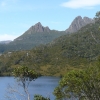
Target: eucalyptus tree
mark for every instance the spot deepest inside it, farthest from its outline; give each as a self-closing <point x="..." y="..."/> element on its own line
<point x="25" y="76"/>
<point x="81" y="84"/>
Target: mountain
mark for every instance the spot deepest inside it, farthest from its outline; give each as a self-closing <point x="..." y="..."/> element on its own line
<point x="78" y="23"/>
<point x="36" y="35"/>
<point x="39" y="35"/>
<point x="38" y="28"/>
<point x="5" y="42"/>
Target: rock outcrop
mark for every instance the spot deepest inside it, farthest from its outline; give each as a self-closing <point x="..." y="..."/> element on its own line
<point x="37" y="28"/>
<point x="78" y="23"/>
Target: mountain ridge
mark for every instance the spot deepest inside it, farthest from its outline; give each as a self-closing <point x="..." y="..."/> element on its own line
<point x="78" y="23"/>
<point x="39" y="35"/>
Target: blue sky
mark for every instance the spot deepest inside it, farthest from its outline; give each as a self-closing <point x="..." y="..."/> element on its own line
<point x="16" y="16"/>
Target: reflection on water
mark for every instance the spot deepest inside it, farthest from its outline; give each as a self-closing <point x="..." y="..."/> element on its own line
<point x="43" y="86"/>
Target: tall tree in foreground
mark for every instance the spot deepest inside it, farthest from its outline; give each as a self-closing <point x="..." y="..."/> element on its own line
<point x="83" y="84"/>
<point x="25" y="76"/>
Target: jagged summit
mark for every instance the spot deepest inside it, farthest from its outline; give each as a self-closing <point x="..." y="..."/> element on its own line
<point x="37" y="28"/>
<point x="78" y="23"/>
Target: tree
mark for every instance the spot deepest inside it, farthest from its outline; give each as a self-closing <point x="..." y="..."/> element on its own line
<point x="82" y="84"/>
<point x="25" y="76"/>
<point x="97" y="14"/>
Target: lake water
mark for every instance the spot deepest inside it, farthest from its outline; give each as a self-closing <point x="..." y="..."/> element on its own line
<point x="43" y="86"/>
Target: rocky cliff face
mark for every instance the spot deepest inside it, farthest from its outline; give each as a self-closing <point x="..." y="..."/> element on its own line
<point x="37" y="28"/>
<point x="78" y="23"/>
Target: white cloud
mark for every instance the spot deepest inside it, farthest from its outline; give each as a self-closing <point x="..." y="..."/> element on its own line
<point x="81" y="4"/>
<point x="7" y="37"/>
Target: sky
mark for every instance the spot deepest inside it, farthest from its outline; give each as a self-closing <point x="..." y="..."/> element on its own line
<point x="17" y="16"/>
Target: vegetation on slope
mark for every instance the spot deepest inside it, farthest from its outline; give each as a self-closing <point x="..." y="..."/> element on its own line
<point x="81" y="84"/>
<point x="71" y="51"/>
<point x="29" y="41"/>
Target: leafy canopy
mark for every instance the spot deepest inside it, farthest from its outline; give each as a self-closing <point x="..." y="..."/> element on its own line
<point x="97" y="14"/>
<point x="25" y="76"/>
<point x="82" y="84"/>
<point x="40" y="97"/>
<point x="23" y="73"/>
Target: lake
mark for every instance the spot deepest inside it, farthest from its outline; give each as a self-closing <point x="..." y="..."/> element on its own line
<point x="43" y="85"/>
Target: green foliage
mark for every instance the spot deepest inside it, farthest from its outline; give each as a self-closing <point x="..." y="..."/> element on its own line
<point x="82" y="84"/>
<point x="40" y="97"/>
<point x="28" y="41"/>
<point x="97" y="15"/>
<point x="24" y="74"/>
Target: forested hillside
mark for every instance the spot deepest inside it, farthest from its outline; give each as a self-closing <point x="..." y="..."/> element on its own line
<point x="75" y="50"/>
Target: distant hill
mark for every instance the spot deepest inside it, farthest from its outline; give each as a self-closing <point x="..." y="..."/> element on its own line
<point x="5" y="42"/>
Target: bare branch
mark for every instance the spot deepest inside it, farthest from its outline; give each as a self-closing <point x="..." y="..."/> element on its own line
<point x="13" y="91"/>
<point x="94" y="38"/>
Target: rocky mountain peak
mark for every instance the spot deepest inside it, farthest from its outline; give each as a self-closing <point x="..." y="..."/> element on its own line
<point x="87" y="20"/>
<point x="78" y="18"/>
<point x="38" y="25"/>
<point x="78" y="23"/>
<point x="38" y="28"/>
